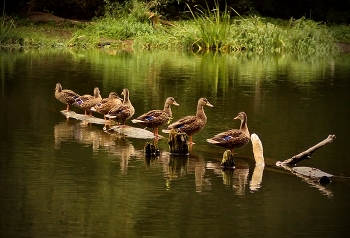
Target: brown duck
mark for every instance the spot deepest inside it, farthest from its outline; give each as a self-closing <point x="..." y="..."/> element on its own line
<point x="65" y="96"/>
<point x="191" y="124"/>
<point x="107" y="104"/>
<point x="87" y="101"/>
<point x="157" y="118"/>
<point x="123" y="111"/>
<point x="234" y="138"/>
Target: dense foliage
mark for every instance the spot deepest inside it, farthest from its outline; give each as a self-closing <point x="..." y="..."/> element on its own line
<point x="317" y="10"/>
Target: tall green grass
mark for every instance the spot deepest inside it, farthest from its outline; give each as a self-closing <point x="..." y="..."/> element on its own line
<point x="218" y="30"/>
<point x="6" y="24"/>
<point x="214" y="28"/>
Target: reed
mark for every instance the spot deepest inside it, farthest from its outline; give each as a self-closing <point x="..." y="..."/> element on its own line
<point x="209" y="30"/>
<point x="6" y="24"/>
<point x="213" y="28"/>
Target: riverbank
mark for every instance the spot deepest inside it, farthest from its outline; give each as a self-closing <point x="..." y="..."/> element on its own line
<point x="200" y="34"/>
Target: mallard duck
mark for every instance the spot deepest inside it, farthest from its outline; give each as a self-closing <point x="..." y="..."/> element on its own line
<point x="191" y="124"/>
<point x="107" y="104"/>
<point x="87" y="101"/>
<point x="123" y="111"/>
<point x="65" y="96"/>
<point x="234" y="138"/>
<point x="156" y="118"/>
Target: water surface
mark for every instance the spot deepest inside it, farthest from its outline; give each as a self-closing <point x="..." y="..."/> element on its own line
<point x="64" y="178"/>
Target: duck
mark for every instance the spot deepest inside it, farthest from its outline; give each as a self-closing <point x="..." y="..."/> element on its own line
<point x="107" y="104"/>
<point x="234" y="138"/>
<point x="157" y="118"/>
<point x="123" y="111"/>
<point x="87" y="101"/>
<point x="65" y="96"/>
<point x="191" y="124"/>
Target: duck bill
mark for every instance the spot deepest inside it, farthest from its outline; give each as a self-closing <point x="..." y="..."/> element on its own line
<point x="176" y="104"/>
<point x="209" y="104"/>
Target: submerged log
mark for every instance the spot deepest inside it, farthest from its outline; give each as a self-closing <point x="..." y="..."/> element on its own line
<point x="307" y="153"/>
<point x="308" y="173"/>
<point x="82" y="117"/>
<point x="178" y="143"/>
<point x="151" y="149"/>
<point x="227" y="161"/>
<point x="127" y="131"/>
<point x="311" y="172"/>
<point x="133" y="132"/>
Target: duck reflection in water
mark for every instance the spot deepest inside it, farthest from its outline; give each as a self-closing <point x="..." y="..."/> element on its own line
<point x="238" y="177"/>
<point x="113" y="143"/>
<point x="177" y="166"/>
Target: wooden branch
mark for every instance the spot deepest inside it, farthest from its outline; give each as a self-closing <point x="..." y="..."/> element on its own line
<point x="307" y="153"/>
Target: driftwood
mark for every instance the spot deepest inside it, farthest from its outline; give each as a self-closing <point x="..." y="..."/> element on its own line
<point x="133" y="132"/>
<point x="82" y="117"/>
<point x="178" y="143"/>
<point x="308" y="173"/>
<point x="307" y="153"/>
<point x="127" y="131"/>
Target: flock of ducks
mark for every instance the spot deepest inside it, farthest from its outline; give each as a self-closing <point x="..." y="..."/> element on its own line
<point x="121" y="110"/>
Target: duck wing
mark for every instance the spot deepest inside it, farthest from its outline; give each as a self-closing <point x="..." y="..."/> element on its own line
<point x="231" y="138"/>
<point x="154" y="116"/>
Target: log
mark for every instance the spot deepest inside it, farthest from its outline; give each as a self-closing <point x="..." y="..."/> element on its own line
<point x="133" y="132"/>
<point x="82" y="117"/>
<point x="307" y="153"/>
<point x="178" y="143"/>
<point x="311" y="172"/>
<point x="151" y="149"/>
<point x="127" y="131"/>
<point x="258" y="152"/>
<point x="227" y="161"/>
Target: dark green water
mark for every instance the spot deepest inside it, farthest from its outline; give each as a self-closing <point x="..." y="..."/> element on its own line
<point x="62" y="178"/>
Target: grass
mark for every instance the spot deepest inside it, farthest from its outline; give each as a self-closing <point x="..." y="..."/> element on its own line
<point x="209" y="30"/>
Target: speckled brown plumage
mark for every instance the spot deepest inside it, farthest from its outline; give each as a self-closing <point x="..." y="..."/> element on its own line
<point x="157" y="118"/>
<point x="191" y="124"/>
<point x="86" y="101"/>
<point x="107" y="104"/>
<point x="234" y="138"/>
<point x="124" y="111"/>
<point x="65" y="96"/>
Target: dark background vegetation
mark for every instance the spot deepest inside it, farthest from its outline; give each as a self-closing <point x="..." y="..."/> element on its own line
<point x="329" y="11"/>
